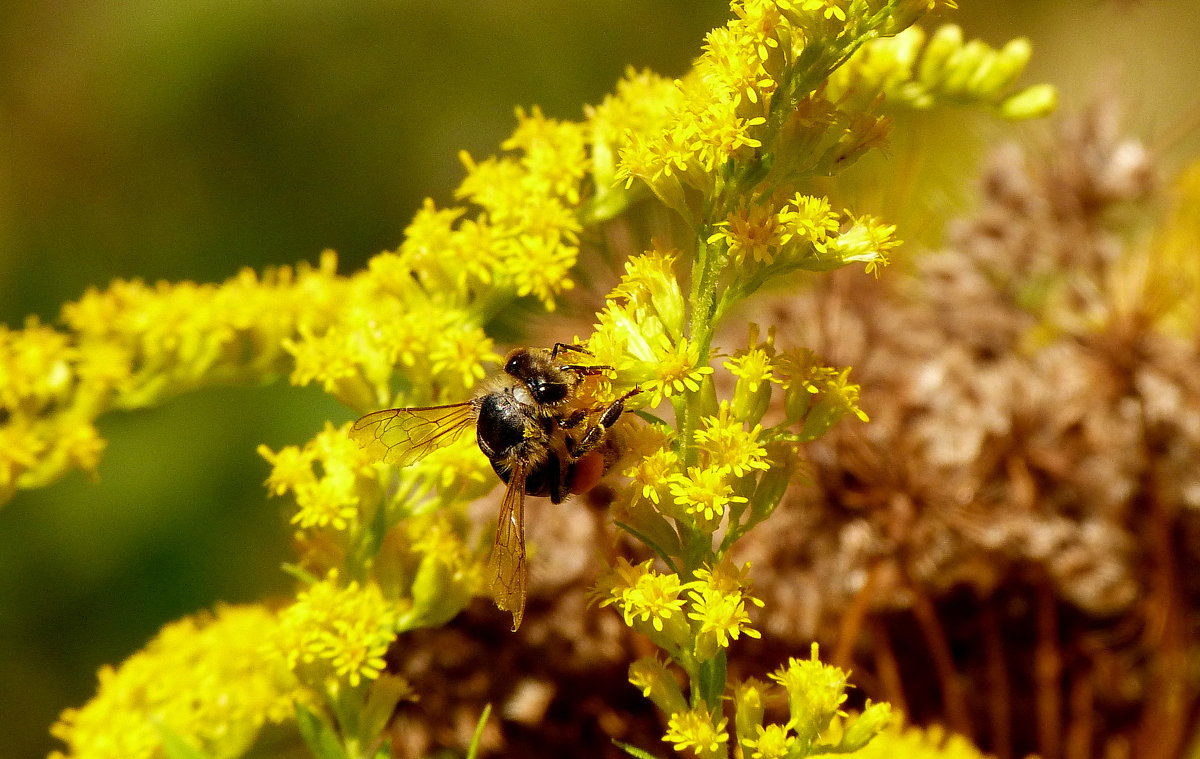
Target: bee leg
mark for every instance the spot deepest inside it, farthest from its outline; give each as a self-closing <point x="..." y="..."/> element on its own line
<point x="562" y="347"/>
<point x="572" y="420"/>
<point x="582" y="369"/>
<point x="608" y="417"/>
<point x="556" y="476"/>
<point x="585" y="369"/>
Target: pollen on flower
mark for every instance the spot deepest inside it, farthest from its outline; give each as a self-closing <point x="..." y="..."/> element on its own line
<point x="335" y="633"/>
<point x="773" y="741"/>
<point x="641" y="594"/>
<point x="808" y="218"/>
<point x="326" y="359"/>
<point x="867" y="241"/>
<point x="752" y="233"/>
<point x="327" y="502"/>
<point x="221" y="693"/>
<point x="460" y="355"/>
<point x="652" y="470"/>
<point x="721" y="614"/>
<point x="727" y="443"/>
<point x="704" y="493"/>
<point x="815" y="690"/>
<point x="679" y="369"/>
<point x="291" y="467"/>
<point x="698" y="730"/>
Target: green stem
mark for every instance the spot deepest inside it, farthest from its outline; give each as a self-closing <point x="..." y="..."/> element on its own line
<point x="711" y="682"/>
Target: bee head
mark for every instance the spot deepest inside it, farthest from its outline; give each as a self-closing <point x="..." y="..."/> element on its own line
<point x="547" y="384"/>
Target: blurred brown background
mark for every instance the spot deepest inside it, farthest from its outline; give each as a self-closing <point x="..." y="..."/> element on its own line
<point x="185" y="140"/>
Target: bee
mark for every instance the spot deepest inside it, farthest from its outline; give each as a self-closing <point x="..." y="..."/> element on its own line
<point x="530" y="426"/>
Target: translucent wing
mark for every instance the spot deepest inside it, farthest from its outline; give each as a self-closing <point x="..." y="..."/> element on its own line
<point x="507" y="564"/>
<point x="403" y="436"/>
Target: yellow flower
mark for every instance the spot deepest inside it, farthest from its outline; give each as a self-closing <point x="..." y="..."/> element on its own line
<point x="327" y="359"/>
<point x="933" y="742"/>
<point x="680" y="368"/>
<point x="326" y="500"/>
<point x="830" y="9"/>
<point x="649" y="281"/>
<point x="655" y="681"/>
<point x="772" y="742"/>
<point x="428" y="236"/>
<point x="448" y="572"/>
<point x="867" y="241"/>
<point x="20" y="450"/>
<point x="555" y="153"/>
<point x="651" y="472"/>
<point x="291" y="468"/>
<point x="806" y="218"/>
<point x="336" y="634"/>
<point x="752" y="233"/>
<point x="643" y="595"/>
<point x="815" y="693"/>
<point x="699" y="730"/>
<point x="705" y="494"/>
<point x="728" y="444"/>
<point x="201" y="678"/>
<point x="530" y="203"/>
<point x="460" y="355"/>
<point x="722" y="617"/>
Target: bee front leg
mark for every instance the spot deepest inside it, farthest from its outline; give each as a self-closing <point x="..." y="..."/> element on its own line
<point x="563" y="347"/>
<point x="581" y="369"/>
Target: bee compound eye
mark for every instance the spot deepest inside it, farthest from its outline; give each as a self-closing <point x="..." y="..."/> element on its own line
<point x="547" y="392"/>
<point x="514" y="366"/>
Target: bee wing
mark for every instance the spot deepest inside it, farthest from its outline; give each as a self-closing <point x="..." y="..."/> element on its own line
<point x="403" y="436"/>
<point x="507" y="564"/>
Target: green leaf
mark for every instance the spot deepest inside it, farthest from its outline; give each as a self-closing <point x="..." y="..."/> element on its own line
<point x="633" y="750"/>
<point x="320" y="737"/>
<point x="712" y="679"/>
<point x="473" y="749"/>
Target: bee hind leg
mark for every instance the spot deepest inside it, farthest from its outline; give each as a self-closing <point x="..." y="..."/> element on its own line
<point x="608" y="417"/>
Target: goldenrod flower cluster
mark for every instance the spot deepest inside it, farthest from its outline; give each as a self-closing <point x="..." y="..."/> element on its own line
<point x="202" y="682"/>
<point x="691" y="620"/>
<point x="787" y="91"/>
<point x="335" y="632"/>
<point x="699" y="730"/>
<point x="934" y="742"/>
<point x="813" y="693"/>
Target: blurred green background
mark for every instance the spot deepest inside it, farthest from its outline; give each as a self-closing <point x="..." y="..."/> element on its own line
<point x="184" y="140"/>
